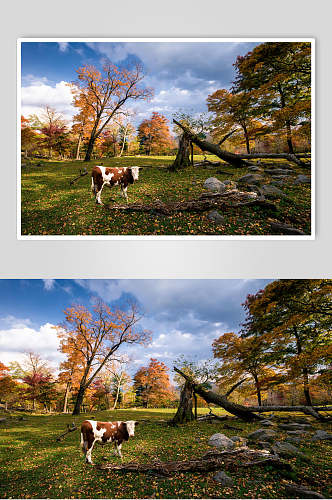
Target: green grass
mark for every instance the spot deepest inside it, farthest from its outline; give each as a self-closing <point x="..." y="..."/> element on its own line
<point x="50" y="206"/>
<point x="35" y="465"/>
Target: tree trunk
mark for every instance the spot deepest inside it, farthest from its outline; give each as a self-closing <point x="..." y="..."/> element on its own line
<point x="78" y="147"/>
<point x="65" y="401"/>
<point x="231" y="158"/>
<point x="289" y="138"/>
<point x="220" y="400"/>
<point x="306" y="387"/>
<point x="116" y="397"/>
<point x="185" y="410"/>
<point x="246" y="138"/>
<point x="182" y="159"/>
<point x="195" y="401"/>
<point x="192" y="153"/>
<point x="258" y="390"/>
<point x="89" y="149"/>
<point x="79" y="400"/>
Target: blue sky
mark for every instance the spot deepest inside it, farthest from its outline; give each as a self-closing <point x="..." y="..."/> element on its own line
<point x="184" y="316"/>
<point x="182" y="74"/>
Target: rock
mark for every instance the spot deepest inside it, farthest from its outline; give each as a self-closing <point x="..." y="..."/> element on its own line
<point x="239" y="440"/>
<point x="278" y="183"/>
<point x="230" y="184"/>
<point x="2" y="420"/>
<point x="285" y="449"/>
<point x="222" y="478"/>
<point x="293" y="439"/>
<point x="254" y="169"/>
<point x="281" y="177"/>
<point x="266" y="423"/>
<point x="301" y="491"/>
<point x="279" y="228"/>
<point x="272" y="191"/>
<point x="301" y="420"/>
<point x="221" y="441"/>
<point x="251" y="179"/>
<point x="262" y="435"/>
<point x="278" y="171"/>
<point x="302" y="179"/>
<point x="216" y="217"/>
<point x="263" y="445"/>
<point x="295" y="427"/>
<point x="295" y="433"/>
<point x="321" y="436"/>
<point x="214" y="184"/>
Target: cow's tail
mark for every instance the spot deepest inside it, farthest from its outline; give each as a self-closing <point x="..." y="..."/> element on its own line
<point x="92" y="185"/>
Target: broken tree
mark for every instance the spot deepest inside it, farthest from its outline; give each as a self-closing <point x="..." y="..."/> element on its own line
<point x="248" y="413"/>
<point x="237" y="160"/>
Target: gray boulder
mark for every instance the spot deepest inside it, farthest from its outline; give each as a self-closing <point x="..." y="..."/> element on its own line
<point x="321" y="436"/>
<point x="302" y="179"/>
<point x="278" y="183"/>
<point x="278" y="171"/>
<point x="254" y="169"/>
<point x="262" y="435"/>
<point x="216" y="217"/>
<point x="295" y="427"/>
<point x="239" y="440"/>
<point x="215" y="185"/>
<point x="272" y="191"/>
<point x="293" y="439"/>
<point x="266" y="423"/>
<point x="222" y="478"/>
<point x="221" y="441"/>
<point x="251" y="179"/>
<point x="301" y="491"/>
<point x="285" y="449"/>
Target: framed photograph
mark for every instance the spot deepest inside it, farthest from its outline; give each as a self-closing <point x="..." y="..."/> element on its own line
<point x="166" y="138"/>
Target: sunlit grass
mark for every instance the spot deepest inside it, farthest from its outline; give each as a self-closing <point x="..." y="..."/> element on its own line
<point x="51" y="206"/>
<point x="35" y="465"/>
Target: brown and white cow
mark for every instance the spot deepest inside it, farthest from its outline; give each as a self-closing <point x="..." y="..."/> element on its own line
<point x="105" y="432"/>
<point x="104" y="176"/>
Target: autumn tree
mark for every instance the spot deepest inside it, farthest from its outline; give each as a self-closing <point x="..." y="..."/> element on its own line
<point x="119" y="378"/>
<point x="154" y="134"/>
<point x="104" y="93"/>
<point x="97" y="335"/>
<point x="52" y="127"/>
<point x="232" y="112"/>
<point x="278" y="76"/>
<point x="294" y="317"/>
<point x="152" y="384"/>
<point x="243" y="357"/>
<point x="8" y="386"/>
<point x="29" y="138"/>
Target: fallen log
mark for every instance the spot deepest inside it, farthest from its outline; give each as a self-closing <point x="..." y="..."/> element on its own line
<point x="203" y="203"/>
<point x="82" y="174"/>
<point x="204" y="145"/>
<point x="71" y="428"/>
<point x="307" y="410"/>
<point x="239" y="411"/>
<point x="293" y="158"/>
<point x="241" y="457"/>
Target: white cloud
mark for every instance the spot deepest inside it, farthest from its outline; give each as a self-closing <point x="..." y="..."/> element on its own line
<point x="49" y="284"/>
<point x="63" y="46"/>
<point x="19" y="339"/>
<point x="37" y="95"/>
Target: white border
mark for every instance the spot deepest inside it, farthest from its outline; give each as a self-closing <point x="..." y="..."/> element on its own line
<point x="170" y="237"/>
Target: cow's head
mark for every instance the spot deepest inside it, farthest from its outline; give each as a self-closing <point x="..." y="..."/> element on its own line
<point x="135" y="172"/>
<point x="130" y="424"/>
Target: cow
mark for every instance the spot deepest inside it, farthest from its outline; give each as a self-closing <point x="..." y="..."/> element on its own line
<point x="104" y="176"/>
<point x="105" y="432"/>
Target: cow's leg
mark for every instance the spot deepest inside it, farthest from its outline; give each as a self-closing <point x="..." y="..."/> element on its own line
<point x="88" y="452"/>
<point x="98" y="194"/>
<point x="124" y="192"/>
<point x="118" y="449"/>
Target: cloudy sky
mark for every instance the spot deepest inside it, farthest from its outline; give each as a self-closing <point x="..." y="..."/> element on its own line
<point x="182" y="74"/>
<point x="184" y="316"/>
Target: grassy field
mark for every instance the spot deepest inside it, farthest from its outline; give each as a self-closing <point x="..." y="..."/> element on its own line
<point x="50" y="206"/>
<point x="35" y="465"/>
